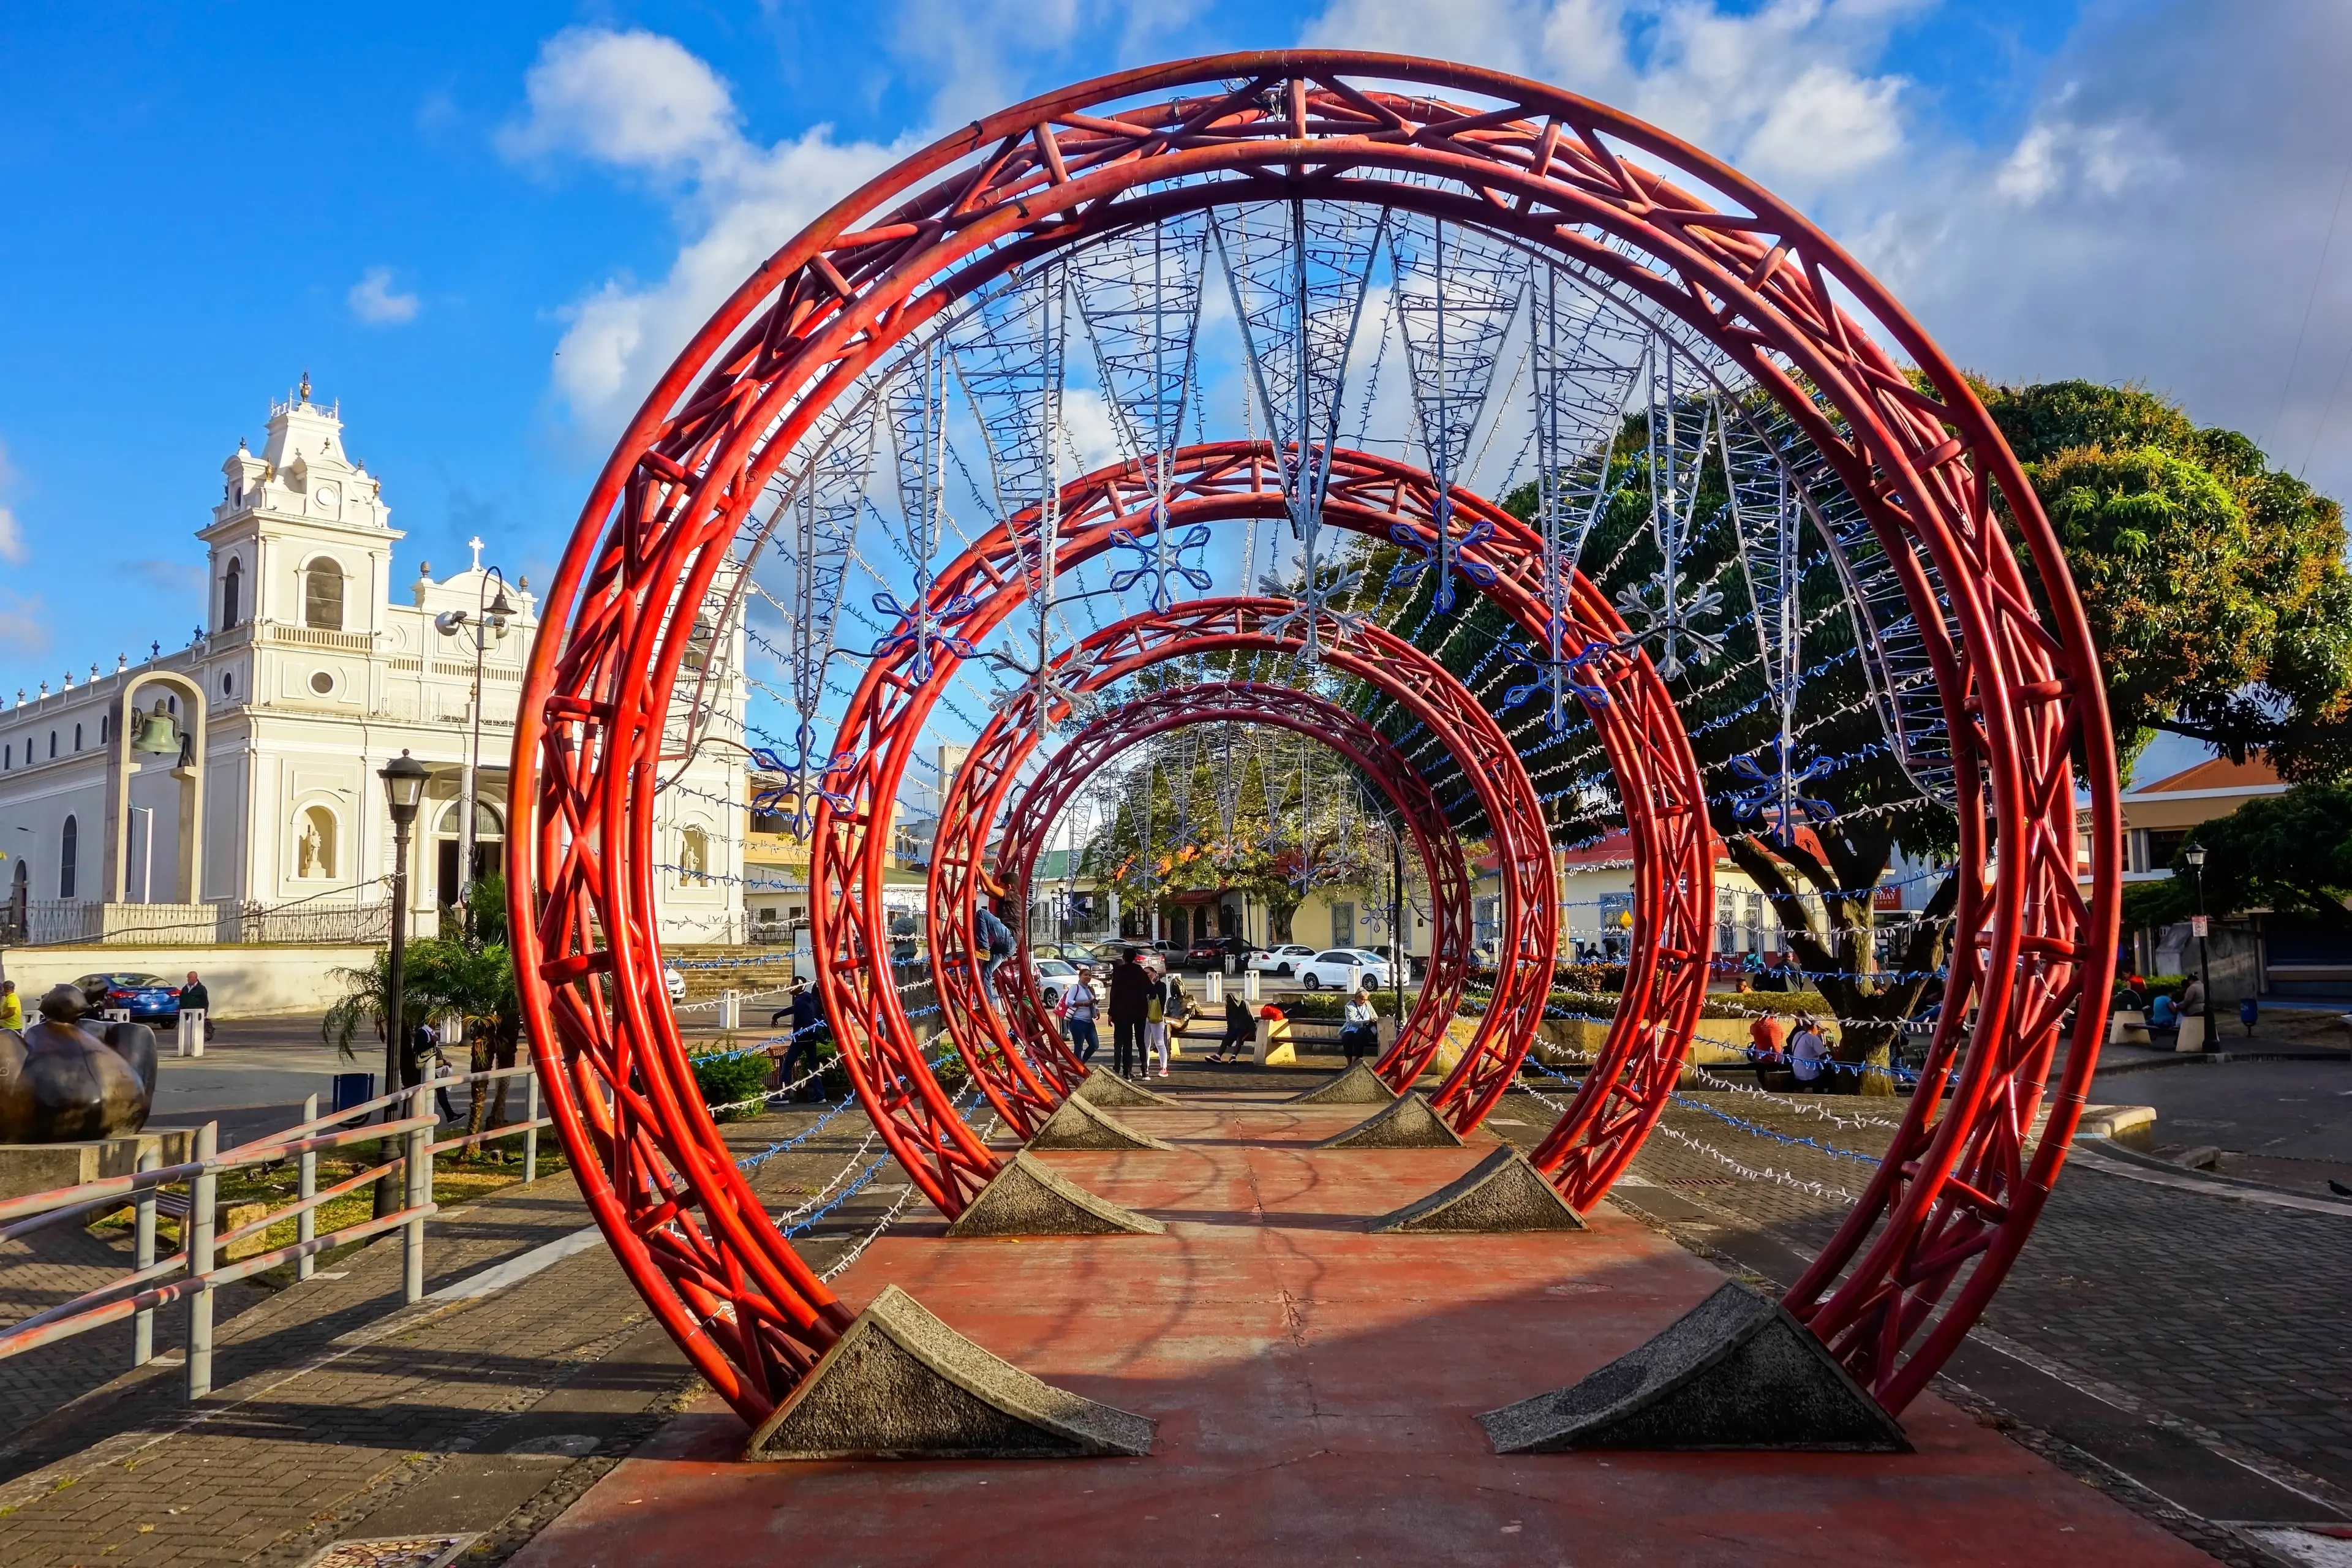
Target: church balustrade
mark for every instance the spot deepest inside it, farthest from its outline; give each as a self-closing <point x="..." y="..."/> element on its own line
<point x="57" y="922"/>
<point x="314" y="636"/>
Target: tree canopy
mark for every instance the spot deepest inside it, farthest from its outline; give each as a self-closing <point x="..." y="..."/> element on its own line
<point x="2215" y="585"/>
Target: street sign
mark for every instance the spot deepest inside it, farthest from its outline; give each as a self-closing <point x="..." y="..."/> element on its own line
<point x="2196" y="925"/>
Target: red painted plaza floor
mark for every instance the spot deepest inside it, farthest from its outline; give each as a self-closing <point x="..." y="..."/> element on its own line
<point x="1314" y="1387"/>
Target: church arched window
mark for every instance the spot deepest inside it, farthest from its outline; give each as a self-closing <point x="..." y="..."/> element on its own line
<point x="232" y="595"/>
<point x="323" y="596"/>
<point x="314" y="844"/>
<point x="68" y="841"/>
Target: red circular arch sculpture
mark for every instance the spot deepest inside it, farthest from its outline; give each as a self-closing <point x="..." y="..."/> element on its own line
<point x="1957" y="1196"/>
<point x="940" y="1153"/>
<point x="984" y="1037"/>
<point x="1380" y="498"/>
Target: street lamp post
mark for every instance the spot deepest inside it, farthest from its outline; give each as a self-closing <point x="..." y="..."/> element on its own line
<point x="404" y="791"/>
<point x="1399" y="956"/>
<point x="489" y="621"/>
<point x="2194" y="857"/>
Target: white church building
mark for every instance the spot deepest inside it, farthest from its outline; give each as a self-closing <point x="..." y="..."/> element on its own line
<point x="228" y="791"/>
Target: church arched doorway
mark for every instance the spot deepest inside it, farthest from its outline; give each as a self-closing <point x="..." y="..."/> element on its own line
<point x="448" y="836"/>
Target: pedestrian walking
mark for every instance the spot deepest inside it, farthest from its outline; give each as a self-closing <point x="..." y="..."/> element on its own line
<point x="1175" y="1007"/>
<point x="1808" y="1052"/>
<point x="1131" y="992"/>
<point x="1077" y="1007"/>
<point x="1358" y="1028"/>
<point x="195" y="998"/>
<point x="806" y="1044"/>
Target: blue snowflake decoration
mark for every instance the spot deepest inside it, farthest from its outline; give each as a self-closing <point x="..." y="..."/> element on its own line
<point x="808" y="770"/>
<point x="1195" y="538"/>
<point x="1560" y="678"/>
<point x="919" y="629"/>
<point x="1443" y="553"/>
<point x="1776" y="797"/>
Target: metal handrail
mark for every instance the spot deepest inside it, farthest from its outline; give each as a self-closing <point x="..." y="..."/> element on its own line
<point x="138" y="1295"/>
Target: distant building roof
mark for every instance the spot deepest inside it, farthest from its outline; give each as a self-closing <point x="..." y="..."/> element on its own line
<point x="2252" y="776"/>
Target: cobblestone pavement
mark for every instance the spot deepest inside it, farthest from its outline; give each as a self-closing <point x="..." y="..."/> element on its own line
<point x="2138" y="1317"/>
<point x="340" y="1414"/>
<point x="2209" y="1315"/>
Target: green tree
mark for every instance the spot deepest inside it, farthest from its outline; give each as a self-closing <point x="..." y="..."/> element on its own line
<point x="2289" y="853"/>
<point x="2215" y="585"/>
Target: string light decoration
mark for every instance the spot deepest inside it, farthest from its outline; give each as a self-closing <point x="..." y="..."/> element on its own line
<point x="1298" y="175"/>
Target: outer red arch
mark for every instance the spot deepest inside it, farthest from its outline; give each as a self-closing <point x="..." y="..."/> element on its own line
<point x="1920" y="465"/>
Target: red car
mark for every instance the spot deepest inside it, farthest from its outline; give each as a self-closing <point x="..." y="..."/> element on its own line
<point x="1212" y="953"/>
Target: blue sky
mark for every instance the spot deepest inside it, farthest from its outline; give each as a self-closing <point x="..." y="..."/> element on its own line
<point x="430" y="206"/>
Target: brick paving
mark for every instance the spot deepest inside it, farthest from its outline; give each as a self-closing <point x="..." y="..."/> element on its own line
<point x="2225" y="1314"/>
<point x="340" y="1414"/>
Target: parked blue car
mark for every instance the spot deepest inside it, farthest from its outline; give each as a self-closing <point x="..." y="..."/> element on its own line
<point x="149" y="998"/>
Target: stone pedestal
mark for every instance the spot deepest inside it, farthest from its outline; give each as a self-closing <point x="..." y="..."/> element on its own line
<point x="28" y="1168"/>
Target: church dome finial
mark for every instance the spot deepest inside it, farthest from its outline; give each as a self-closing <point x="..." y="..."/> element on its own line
<point x="306" y="386"/>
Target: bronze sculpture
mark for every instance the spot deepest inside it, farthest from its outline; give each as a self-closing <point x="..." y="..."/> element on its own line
<point x="62" y="1083"/>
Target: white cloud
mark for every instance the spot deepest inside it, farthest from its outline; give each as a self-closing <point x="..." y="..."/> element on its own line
<point x="24" y="624"/>
<point x="639" y="102"/>
<point x="11" y="532"/>
<point x="634" y="100"/>
<point x="373" y="300"/>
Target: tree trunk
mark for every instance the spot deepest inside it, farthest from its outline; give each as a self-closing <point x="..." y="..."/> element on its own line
<point x="1834" y="937"/>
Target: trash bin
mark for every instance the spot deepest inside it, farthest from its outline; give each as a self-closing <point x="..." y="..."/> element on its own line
<point x="353" y="1089"/>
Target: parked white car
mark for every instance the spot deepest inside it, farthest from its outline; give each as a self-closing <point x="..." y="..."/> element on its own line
<point x="675" y="984"/>
<point x="1340" y="967"/>
<point x="1283" y="961"/>
<point x="1054" y="977"/>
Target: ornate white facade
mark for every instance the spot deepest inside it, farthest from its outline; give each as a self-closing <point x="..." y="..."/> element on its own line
<point x="316" y="665"/>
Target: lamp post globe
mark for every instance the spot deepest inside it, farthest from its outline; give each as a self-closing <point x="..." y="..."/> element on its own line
<point x="2193" y="856"/>
<point x="404" y="791"/>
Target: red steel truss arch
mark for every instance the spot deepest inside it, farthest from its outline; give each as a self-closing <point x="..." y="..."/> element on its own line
<point x="1572" y="179"/>
<point x="1658" y="785"/>
<point x="983" y="1034"/>
<point x="878" y="1044"/>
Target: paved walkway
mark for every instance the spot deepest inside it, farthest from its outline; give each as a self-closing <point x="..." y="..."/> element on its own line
<point x="340" y="1415"/>
<point x="1314" y="1387"/>
<point x="2186" y="1350"/>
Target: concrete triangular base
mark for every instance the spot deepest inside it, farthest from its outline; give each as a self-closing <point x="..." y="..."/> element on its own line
<point x="1500" y="1193"/>
<point x="1734" y="1372"/>
<point x="1075" y="1124"/>
<point x="901" y="1384"/>
<point x="1108" y="1089"/>
<point x="1407" y="1124"/>
<point x="1360" y="1085"/>
<point x="1028" y="1198"/>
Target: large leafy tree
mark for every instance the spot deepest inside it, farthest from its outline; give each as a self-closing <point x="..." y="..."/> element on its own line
<point x="2215" y="585"/>
<point x="1299" y="820"/>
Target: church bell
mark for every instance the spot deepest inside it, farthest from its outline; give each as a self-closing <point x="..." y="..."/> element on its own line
<point x="157" y="734"/>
